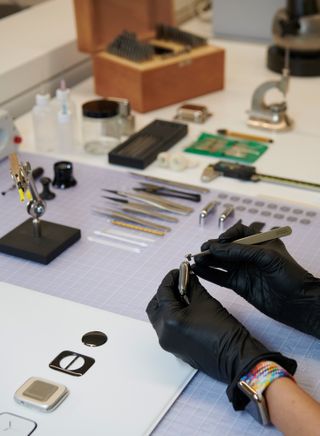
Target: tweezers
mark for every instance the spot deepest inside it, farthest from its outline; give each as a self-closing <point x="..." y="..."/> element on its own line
<point x="155" y="201"/>
<point x="168" y="192"/>
<point x="129" y="218"/>
<point x="142" y="209"/>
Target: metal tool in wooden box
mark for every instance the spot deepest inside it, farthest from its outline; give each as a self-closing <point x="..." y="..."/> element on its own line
<point x="167" y="67"/>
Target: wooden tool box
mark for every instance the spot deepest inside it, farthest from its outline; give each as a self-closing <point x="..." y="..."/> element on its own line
<point x="151" y="84"/>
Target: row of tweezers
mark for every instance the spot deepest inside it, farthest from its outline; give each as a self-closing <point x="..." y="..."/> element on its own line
<point x="148" y="200"/>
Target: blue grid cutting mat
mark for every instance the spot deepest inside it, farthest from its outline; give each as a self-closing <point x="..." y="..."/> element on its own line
<point x="123" y="282"/>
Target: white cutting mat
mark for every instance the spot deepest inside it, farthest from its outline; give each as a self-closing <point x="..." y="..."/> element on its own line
<point x="127" y="391"/>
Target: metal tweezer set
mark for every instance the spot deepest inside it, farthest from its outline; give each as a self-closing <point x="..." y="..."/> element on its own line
<point x="156" y="199"/>
<point x="144" y="207"/>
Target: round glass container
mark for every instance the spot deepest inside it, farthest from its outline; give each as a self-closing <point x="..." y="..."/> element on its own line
<point x="101" y="126"/>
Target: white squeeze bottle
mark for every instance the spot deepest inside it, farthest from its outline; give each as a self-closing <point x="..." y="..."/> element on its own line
<point x="65" y="119"/>
<point x="44" y="123"/>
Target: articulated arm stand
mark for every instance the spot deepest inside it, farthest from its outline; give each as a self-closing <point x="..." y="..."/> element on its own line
<point x="22" y="177"/>
<point x="39" y="241"/>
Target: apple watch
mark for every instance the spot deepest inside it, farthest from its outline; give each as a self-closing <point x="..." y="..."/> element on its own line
<point x="255" y="382"/>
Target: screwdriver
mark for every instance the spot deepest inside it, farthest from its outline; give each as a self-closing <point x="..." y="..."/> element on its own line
<point x="36" y="173"/>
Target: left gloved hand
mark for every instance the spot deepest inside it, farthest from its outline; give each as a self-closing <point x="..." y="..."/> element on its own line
<point x="205" y="335"/>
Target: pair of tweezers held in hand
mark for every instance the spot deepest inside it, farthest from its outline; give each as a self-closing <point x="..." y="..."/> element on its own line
<point x="168" y="192"/>
<point x="257" y="238"/>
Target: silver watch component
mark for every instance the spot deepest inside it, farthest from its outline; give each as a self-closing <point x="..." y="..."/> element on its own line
<point x="257" y="406"/>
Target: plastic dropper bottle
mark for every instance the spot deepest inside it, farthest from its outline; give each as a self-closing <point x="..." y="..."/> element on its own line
<point x="44" y="123"/>
<point x="65" y="118"/>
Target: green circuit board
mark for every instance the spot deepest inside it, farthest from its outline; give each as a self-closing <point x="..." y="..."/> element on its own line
<point x="226" y="148"/>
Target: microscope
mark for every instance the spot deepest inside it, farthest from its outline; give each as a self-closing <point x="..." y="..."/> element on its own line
<point x="296" y="34"/>
<point x="296" y="29"/>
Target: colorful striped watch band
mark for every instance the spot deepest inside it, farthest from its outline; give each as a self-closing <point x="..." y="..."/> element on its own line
<point x="263" y="374"/>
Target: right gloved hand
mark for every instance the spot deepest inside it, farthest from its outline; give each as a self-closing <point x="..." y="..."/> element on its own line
<point x="206" y="335"/>
<point x="266" y="276"/>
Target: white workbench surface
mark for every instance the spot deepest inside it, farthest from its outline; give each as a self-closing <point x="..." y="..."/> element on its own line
<point x="294" y="154"/>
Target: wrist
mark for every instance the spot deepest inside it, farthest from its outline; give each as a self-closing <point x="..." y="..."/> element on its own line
<point x="238" y="399"/>
<point x="255" y="383"/>
<point x="263" y="374"/>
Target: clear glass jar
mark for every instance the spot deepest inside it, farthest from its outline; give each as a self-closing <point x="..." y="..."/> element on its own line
<point x="101" y="126"/>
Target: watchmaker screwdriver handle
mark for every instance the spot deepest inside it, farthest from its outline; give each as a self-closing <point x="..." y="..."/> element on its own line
<point x="228" y="212"/>
<point x="209" y="208"/>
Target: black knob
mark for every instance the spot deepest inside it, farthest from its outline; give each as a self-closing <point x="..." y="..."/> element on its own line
<point x="46" y="194"/>
<point x="63" y="177"/>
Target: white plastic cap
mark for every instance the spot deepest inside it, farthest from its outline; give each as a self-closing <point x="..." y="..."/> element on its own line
<point x="42" y="99"/>
<point x="62" y="94"/>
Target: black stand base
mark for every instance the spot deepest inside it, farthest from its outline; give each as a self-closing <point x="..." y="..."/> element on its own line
<point x="55" y="238"/>
<point x="303" y="64"/>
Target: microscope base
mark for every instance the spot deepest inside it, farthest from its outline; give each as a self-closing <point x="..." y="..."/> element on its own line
<point x="302" y="64"/>
<point x="283" y="125"/>
<point x="55" y="239"/>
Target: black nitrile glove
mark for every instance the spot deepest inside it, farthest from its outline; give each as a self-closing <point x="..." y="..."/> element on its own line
<point x="266" y="276"/>
<point x="206" y="336"/>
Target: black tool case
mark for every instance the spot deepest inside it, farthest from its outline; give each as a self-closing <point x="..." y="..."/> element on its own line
<point x="142" y="147"/>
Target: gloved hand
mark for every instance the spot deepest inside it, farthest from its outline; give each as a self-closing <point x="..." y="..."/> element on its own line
<point x="266" y="276"/>
<point x="206" y="336"/>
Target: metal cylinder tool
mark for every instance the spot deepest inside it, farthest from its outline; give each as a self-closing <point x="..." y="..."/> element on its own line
<point x="209" y="208"/>
<point x="184" y="271"/>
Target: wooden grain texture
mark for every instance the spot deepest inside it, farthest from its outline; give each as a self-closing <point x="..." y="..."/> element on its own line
<point x="149" y="85"/>
<point x="160" y="83"/>
<point x="113" y="79"/>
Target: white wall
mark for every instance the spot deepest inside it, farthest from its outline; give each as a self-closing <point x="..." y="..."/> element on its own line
<point x="38" y="47"/>
<point x="245" y="19"/>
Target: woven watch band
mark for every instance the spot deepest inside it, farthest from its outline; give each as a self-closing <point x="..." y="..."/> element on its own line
<point x="263" y="374"/>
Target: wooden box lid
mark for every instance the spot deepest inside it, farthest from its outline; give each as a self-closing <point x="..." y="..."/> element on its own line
<point x="100" y="21"/>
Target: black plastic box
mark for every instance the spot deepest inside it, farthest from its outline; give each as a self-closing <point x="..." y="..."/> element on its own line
<point x="142" y="148"/>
